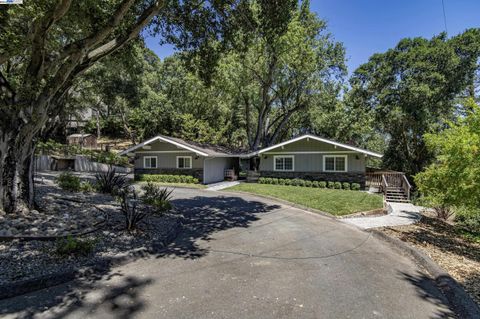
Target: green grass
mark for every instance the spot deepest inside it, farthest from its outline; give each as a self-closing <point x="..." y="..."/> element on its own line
<point x="186" y="185"/>
<point x="335" y="202"/>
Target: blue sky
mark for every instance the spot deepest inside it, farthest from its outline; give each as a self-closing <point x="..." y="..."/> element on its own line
<point x="370" y="26"/>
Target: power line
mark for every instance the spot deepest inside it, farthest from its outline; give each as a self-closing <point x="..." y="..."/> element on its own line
<point x="444" y="16"/>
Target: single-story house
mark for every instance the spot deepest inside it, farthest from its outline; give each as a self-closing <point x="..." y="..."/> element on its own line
<point x="307" y="157"/>
<point x="83" y="140"/>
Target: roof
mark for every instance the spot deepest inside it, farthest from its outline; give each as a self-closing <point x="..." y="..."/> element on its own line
<point x="220" y="151"/>
<point x="321" y="139"/>
<point x="198" y="148"/>
<point x="79" y="135"/>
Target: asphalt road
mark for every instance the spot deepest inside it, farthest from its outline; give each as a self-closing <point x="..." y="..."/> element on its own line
<point x="246" y="257"/>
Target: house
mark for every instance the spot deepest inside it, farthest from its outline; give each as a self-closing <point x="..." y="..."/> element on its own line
<point x="307" y="157"/>
<point x="82" y="140"/>
<point x="170" y="155"/>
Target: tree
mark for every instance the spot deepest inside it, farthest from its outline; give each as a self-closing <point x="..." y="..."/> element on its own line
<point x="452" y="180"/>
<point x="44" y="47"/>
<point x="412" y="90"/>
<point x="290" y="64"/>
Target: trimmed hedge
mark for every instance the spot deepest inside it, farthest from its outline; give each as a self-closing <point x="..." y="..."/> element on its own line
<point x="160" y="178"/>
<point x="308" y="183"/>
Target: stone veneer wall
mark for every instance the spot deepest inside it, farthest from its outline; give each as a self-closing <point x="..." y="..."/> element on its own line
<point x="319" y="176"/>
<point x="195" y="172"/>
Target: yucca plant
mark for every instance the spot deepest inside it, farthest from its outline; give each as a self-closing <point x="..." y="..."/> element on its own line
<point x="110" y="182"/>
<point x="158" y="197"/>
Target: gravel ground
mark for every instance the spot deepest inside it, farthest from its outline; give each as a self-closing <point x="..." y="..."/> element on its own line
<point x="457" y="255"/>
<point x="67" y="213"/>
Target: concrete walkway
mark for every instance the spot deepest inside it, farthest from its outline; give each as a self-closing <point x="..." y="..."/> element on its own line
<point x="398" y="214"/>
<point x="221" y="185"/>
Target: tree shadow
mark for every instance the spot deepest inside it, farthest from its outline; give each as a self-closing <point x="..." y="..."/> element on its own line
<point x="204" y="216"/>
<point x="119" y="299"/>
<point x="428" y="290"/>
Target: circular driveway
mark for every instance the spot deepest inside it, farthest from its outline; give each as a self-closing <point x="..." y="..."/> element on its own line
<point x="241" y="256"/>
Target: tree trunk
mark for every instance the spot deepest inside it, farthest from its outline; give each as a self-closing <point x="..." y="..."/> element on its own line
<point x="16" y="172"/>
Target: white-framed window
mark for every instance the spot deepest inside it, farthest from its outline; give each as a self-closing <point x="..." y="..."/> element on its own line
<point x="283" y="163"/>
<point x="184" y="162"/>
<point x="335" y="163"/>
<point x="150" y="162"/>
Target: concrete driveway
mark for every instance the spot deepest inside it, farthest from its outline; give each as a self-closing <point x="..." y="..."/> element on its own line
<point x="245" y="257"/>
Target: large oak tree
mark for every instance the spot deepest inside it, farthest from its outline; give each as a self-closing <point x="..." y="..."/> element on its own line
<point x="46" y="45"/>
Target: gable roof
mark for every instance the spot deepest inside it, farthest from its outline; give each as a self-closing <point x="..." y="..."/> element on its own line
<point x="321" y="139"/>
<point x="197" y="148"/>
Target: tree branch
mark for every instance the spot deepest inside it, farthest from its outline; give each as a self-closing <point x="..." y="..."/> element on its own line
<point x="96" y="38"/>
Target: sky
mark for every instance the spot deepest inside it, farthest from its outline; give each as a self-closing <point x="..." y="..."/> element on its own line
<point x="373" y="26"/>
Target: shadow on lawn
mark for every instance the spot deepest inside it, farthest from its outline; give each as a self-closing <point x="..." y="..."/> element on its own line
<point x="207" y="215"/>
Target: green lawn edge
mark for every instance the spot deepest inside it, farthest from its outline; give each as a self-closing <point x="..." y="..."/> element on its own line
<point x="331" y="201"/>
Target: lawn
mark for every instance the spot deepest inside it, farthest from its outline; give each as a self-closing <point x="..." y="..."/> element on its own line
<point x="335" y="202"/>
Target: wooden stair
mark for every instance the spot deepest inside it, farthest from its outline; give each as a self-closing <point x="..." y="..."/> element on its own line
<point x="396" y="195"/>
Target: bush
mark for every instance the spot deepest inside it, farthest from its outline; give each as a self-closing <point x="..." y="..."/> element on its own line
<point x="157" y="197"/>
<point x="346" y="185"/>
<point x="72" y="246"/>
<point x="315" y="184"/>
<point x="322" y="184"/>
<point x="308" y="183"/>
<point x="301" y="183"/>
<point x="69" y="182"/>
<point x="162" y="178"/>
<point x="338" y="185"/>
<point x="281" y="181"/>
<point x="261" y="180"/>
<point x="468" y="219"/>
<point x="128" y="202"/>
<point x="86" y="187"/>
<point x="288" y="182"/>
<point x="331" y="185"/>
<point x="275" y="181"/>
<point x="110" y="182"/>
<point x="269" y="180"/>
<point x="355" y="187"/>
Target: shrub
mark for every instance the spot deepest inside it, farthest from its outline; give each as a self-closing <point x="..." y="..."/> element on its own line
<point x="275" y="181"/>
<point x="288" y="181"/>
<point x="157" y="197"/>
<point x="301" y="183"/>
<point x="86" y="187"/>
<point x="468" y="219"/>
<point x="308" y="183"/>
<point x="68" y="181"/>
<point x="281" y="181"/>
<point x="322" y="184"/>
<point x="269" y="180"/>
<point x="346" y="185"/>
<point x="110" y="182"/>
<point x="355" y="187"/>
<point x="72" y="246"/>
<point x="162" y="178"/>
<point x="338" y="185"/>
<point x="261" y="180"/>
<point x="331" y="185"/>
<point x="128" y="202"/>
<point x="315" y="184"/>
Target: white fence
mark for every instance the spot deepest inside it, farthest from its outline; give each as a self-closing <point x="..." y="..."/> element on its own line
<point x="82" y="164"/>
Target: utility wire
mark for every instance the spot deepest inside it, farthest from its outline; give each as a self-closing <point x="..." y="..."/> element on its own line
<point x="444" y="17"/>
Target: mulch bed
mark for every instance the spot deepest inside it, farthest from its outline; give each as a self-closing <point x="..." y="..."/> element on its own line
<point x="456" y="254"/>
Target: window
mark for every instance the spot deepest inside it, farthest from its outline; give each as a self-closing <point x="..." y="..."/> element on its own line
<point x="150" y="162"/>
<point x="184" y="162"/>
<point x="283" y="163"/>
<point x="335" y="163"/>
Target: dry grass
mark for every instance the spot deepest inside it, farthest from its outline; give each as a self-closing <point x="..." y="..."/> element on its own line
<point x="455" y="252"/>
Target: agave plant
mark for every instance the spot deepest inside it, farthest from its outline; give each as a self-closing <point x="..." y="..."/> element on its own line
<point x="110" y="182"/>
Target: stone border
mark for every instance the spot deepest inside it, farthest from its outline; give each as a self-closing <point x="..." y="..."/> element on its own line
<point x="26" y="286"/>
<point x="461" y="302"/>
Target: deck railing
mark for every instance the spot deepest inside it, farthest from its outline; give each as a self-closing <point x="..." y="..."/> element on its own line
<point x="382" y="180"/>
